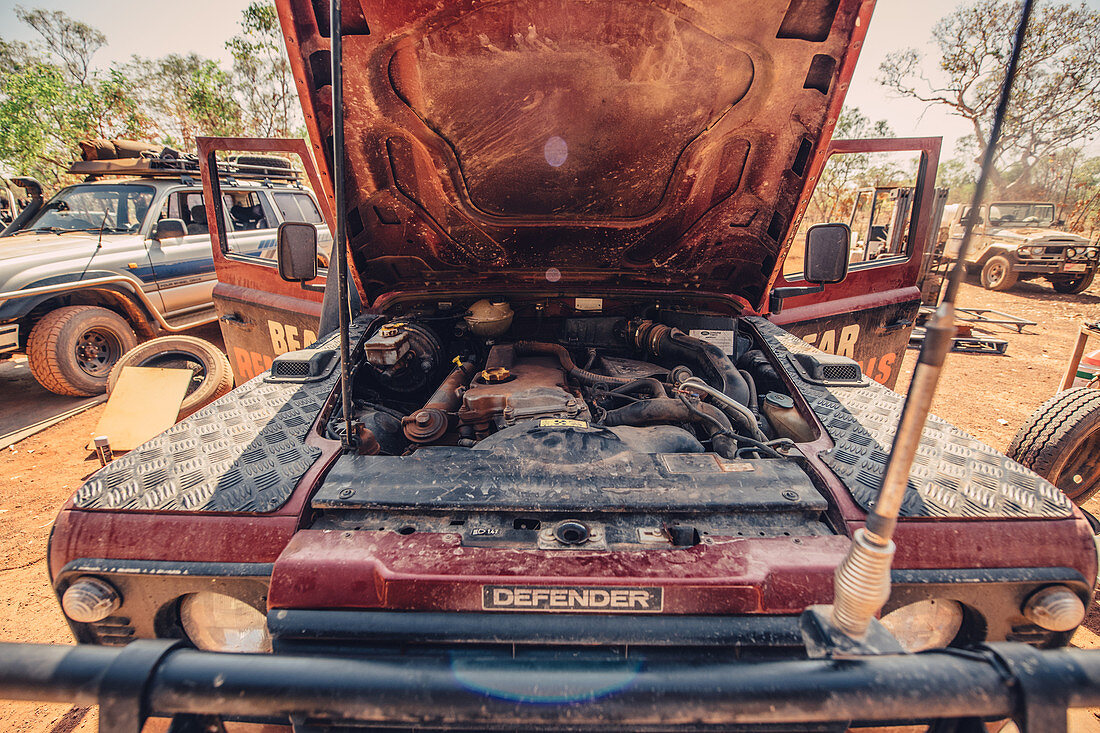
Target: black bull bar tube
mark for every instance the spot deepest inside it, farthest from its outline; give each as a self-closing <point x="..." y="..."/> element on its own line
<point x="489" y="689"/>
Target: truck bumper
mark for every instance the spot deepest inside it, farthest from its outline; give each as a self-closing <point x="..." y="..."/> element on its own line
<point x="1058" y="268"/>
<point x="464" y="688"/>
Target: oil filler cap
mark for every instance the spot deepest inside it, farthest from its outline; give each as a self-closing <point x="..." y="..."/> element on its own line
<point x="495" y="375"/>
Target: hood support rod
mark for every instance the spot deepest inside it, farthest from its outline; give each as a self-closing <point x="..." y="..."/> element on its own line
<point x="862" y="582"/>
<point x="340" y="234"/>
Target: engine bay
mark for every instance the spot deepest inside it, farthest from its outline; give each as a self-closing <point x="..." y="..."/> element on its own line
<point x="488" y="375"/>
<point x="540" y="424"/>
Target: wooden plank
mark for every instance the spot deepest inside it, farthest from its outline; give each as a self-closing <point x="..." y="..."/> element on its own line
<point x="145" y="402"/>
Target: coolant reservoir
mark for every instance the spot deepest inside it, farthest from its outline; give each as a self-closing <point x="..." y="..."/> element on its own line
<point x="781" y="413"/>
<point x="489" y="318"/>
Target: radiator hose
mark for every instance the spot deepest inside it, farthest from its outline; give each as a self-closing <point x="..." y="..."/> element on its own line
<point x="665" y="410"/>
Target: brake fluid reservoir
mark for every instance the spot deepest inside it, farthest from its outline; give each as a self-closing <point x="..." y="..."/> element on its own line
<point x="788" y="423"/>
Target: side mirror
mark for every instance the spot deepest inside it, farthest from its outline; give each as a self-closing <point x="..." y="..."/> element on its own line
<point x="827" y="252"/>
<point x="169" y="229"/>
<point x="296" y="251"/>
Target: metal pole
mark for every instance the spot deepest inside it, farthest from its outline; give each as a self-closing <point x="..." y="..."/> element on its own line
<point x="491" y="690"/>
<point x="863" y="579"/>
<point x="339" y="185"/>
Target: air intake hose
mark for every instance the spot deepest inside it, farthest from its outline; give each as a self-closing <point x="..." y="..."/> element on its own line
<point x="675" y="345"/>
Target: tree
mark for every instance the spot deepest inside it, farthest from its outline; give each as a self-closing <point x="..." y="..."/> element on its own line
<point x="73" y="42"/>
<point x="959" y="177"/>
<point x="44" y="115"/>
<point x="263" y="81"/>
<point x="52" y="95"/>
<point x="1056" y="95"/>
<point x="835" y="191"/>
<point x="185" y="96"/>
<point x="50" y="98"/>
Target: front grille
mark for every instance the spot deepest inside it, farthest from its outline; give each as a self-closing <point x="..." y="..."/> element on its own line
<point x="112" y="631"/>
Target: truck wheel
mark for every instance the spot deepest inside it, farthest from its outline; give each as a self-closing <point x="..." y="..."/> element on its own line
<point x="71" y="350"/>
<point x="1073" y="285"/>
<point x="1061" y="442"/>
<point x="997" y="274"/>
<point x="212" y="375"/>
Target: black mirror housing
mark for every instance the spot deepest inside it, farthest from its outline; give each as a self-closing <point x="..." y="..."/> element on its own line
<point x="169" y="229"/>
<point x="296" y="251"/>
<point x="827" y="252"/>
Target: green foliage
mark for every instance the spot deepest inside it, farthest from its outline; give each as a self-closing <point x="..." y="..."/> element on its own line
<point x="52" y="95"/>
<point x="959" y="177"/>
<point x="45" y="114"/>
<point x="185" y="96"/>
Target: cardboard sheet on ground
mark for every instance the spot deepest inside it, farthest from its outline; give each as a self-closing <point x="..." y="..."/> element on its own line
<point x="144" y="402"/>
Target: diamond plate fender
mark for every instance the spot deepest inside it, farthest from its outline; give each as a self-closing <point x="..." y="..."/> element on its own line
<point x="242" y="453"/>
<point x="954" y="475"/>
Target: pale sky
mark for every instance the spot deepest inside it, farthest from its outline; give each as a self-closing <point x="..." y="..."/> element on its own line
<point x="157" y="27"/>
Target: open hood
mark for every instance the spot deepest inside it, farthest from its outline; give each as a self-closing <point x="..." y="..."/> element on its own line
<point x="580" y="142"/>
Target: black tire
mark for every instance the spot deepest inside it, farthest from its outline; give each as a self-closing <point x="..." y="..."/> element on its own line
<point x="1073" y="285"/>
<point x="1061" y="442"/>
<point x="998" y="273"/>
<point x="71" y="350"/>
<point x="212" y="375"/>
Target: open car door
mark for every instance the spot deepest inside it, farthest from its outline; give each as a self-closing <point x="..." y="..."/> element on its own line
<point x="260" y="314"/>
<point x="869" y="316"/>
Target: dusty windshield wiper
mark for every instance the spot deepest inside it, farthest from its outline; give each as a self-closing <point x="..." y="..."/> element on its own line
<point x="53" y="230"/>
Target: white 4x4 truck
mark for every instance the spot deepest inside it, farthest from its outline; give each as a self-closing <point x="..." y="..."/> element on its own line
<point x="126" y="255"/>
<point x="1015" y="241"/>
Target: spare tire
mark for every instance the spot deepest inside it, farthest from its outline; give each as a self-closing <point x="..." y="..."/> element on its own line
<point x="266" y="161"/>
<point x="213" y="376"/>
<point x="1060" y="441"/>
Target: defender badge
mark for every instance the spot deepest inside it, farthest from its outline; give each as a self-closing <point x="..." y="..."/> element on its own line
<point x="571" y="599"/>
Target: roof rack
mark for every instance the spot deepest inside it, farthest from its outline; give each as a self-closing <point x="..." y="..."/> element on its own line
<point x="174" y="168"/>
<point x="127" y="158"/>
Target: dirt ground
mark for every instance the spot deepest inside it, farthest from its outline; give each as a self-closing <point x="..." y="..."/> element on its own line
<point x="987" y="395"/>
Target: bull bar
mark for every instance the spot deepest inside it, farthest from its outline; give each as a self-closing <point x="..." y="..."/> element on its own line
<point x="443" y="688"/>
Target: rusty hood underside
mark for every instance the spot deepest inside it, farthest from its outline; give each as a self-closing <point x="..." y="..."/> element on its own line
<point x="584" y="142"/>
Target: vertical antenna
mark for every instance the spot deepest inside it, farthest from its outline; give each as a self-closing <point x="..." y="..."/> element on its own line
<point x="862" y="582"/>
<point x="338" y="184"/>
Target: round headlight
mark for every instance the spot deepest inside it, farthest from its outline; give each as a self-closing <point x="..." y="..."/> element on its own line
<point x="1025" y="250"/>
<point x="925" y="624"/>
<point x="1071" y="252"/>
<point x="219" y="623"/>
<point x="89" y="600"/>
<point x="1055" y="608"/>
<point x="1091" y="251"/>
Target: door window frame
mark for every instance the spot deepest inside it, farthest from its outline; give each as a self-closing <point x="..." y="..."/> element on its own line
<point x="875" y="275"/>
